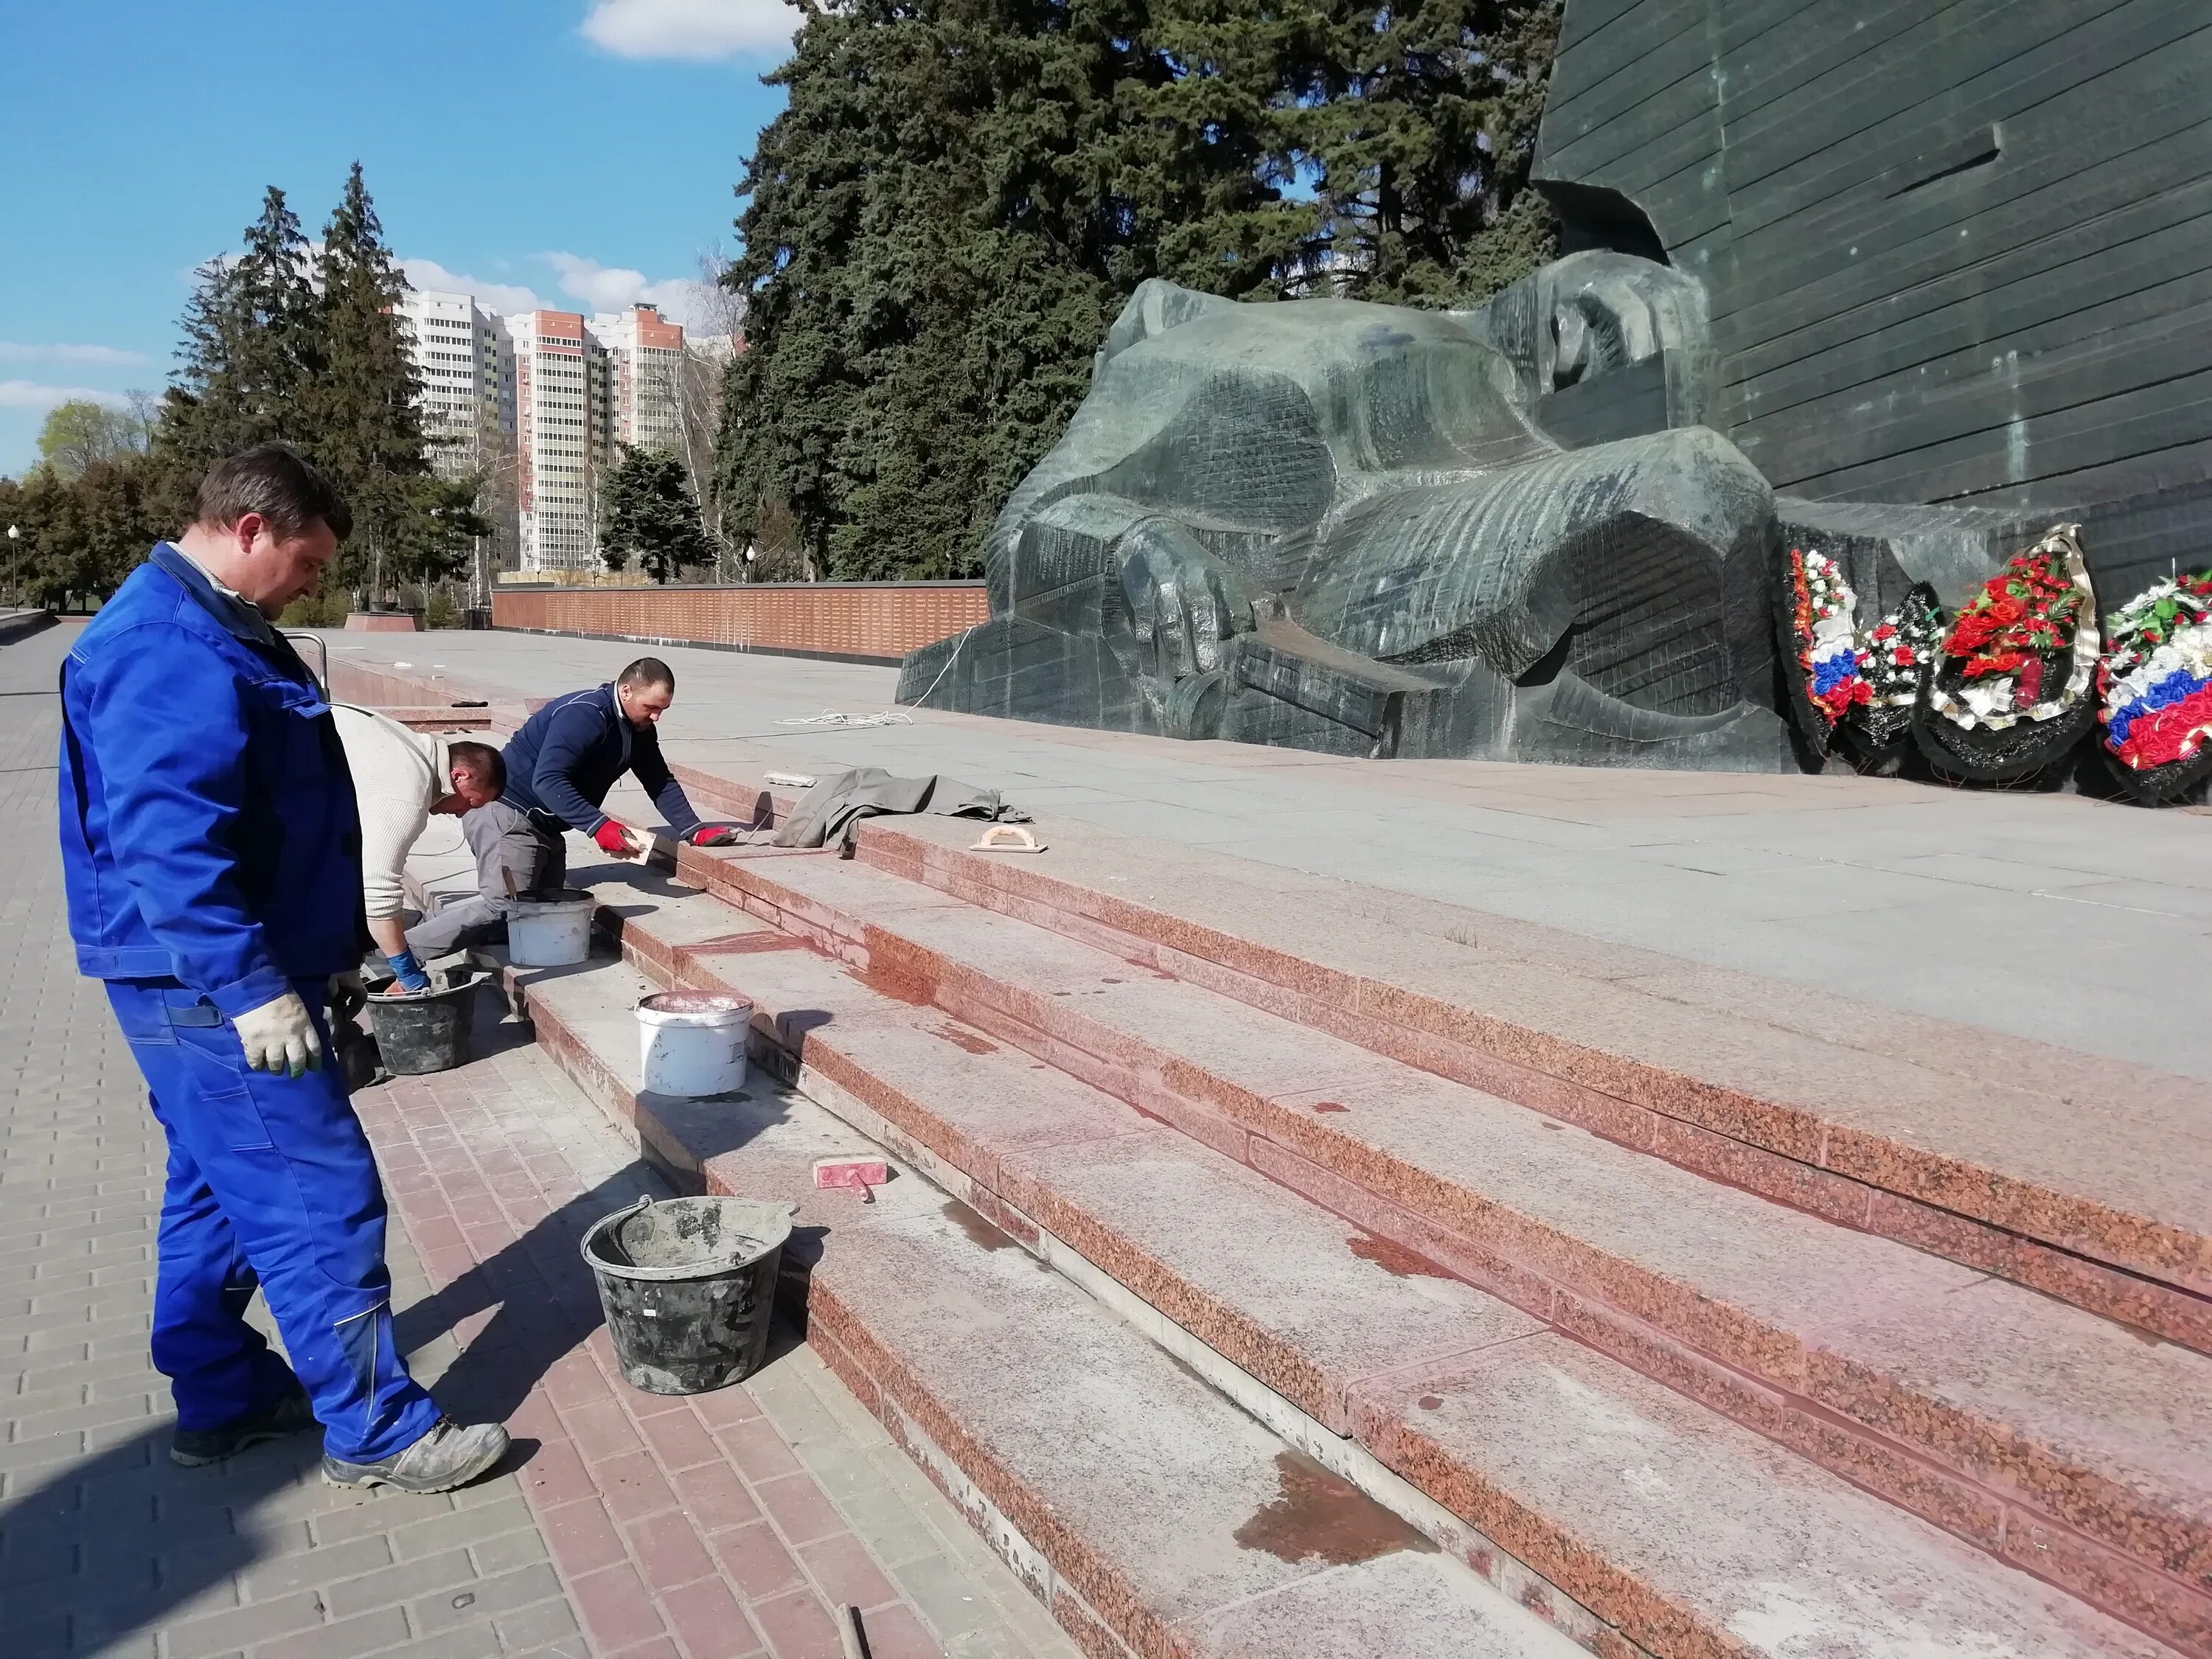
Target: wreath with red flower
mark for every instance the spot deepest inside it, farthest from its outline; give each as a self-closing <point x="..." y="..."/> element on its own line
<point x="2023" y="647"/>
<point x="2155" y="683"/>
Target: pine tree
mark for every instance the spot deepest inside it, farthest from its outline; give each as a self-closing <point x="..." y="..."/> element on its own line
<point x="649" y="515"/>
<point x="362" y="406"/>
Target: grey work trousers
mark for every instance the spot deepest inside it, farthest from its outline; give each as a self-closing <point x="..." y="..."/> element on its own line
<point x="536" y="856"/>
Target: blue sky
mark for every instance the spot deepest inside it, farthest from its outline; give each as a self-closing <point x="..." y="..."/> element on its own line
<point x="581" y="153"/>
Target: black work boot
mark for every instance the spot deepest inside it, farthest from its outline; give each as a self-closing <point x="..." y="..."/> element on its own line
<point x="448" y="1456"/>
<point x="289" y="1413"/>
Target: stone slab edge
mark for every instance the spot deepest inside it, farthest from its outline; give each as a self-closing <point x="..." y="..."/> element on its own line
<point x="983" y="1489"/>
<point x="2068" y="1526"/>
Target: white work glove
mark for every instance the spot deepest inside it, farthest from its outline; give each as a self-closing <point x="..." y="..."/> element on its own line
<point x="279" y="1036"/>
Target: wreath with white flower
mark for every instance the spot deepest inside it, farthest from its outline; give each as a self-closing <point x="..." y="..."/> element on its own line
<point x="1900" y="650"/>
<point x="1821" y="643"/>
<point x="2155" y="685"/>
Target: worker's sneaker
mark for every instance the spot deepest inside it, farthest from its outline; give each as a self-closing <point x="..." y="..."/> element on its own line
<point x="289" y="1413"/>
<point x="448" y="1456"/>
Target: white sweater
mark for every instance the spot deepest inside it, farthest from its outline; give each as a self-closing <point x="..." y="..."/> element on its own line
<point x="398" y="776"/>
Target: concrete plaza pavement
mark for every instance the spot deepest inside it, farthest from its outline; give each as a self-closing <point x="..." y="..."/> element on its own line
<point x="2078" y="922"/>
<point x="624" y="1524"/>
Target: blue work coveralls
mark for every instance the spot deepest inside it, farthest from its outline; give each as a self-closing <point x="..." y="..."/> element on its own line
<point x="211" y="856"/>
<point x="568" y="754"/>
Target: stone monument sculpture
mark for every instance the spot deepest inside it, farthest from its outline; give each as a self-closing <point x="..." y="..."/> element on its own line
<point x="1541" y="529"/>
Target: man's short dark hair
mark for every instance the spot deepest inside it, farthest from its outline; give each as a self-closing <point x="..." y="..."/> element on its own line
<point x="281" y="485"/>
<point x="479" y="760"/>
<point x="648" y="671"/>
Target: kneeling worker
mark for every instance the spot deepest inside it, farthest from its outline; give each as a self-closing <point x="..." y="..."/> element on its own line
<point x="401" y="778"/>
<point x="568" y="754"/>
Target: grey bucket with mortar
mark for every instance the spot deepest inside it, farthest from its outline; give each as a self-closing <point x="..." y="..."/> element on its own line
<point x="687" y="1285"/>
<point x="424" y="1031"/>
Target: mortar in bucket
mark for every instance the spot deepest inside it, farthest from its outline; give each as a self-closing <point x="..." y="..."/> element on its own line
<point x="687" y="1285"/>
<point x="427" y="1030"/>
<point x="550" y="930"/>
<point x="692" y="1043"/>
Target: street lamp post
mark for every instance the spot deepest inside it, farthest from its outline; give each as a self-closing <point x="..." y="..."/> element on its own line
<point x="15" y="587"/>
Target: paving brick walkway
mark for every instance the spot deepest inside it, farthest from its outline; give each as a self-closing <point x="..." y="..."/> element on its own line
<point x="626" y="1525"/>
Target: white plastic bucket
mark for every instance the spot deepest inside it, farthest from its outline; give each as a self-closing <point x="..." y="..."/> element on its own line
<point x="554" y="931"/>
<point x="692" y="1043"/>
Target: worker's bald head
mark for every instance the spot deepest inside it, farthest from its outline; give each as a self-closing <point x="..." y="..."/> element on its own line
<point x="645" y="689"/>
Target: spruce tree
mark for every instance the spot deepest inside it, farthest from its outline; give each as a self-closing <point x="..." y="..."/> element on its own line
<point x="252" y="345"/>
<point x="362" y="406"/>
<point x="960" y="194"/>
<point x="649" y="515"/>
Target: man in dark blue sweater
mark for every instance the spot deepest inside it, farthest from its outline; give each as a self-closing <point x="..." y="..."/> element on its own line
<point x="568" y="754"/>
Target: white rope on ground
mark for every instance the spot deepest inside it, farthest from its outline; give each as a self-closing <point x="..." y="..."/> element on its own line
<point x="831" y="717"/>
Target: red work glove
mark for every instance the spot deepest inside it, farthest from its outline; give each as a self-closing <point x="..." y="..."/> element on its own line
<point x="613" y="838"/>
<point x="714" y="834"/>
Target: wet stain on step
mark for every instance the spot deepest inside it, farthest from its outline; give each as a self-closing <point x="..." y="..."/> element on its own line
<point x="960" y="1038"/>
<point x="1393" y="1258"/>
<point x="1330" y="1106"/>
<point x="979" y="1231"/>
<point x="1317" y="1514"/>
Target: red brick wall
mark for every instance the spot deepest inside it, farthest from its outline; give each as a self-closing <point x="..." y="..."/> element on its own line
<point x="881" y="621"/>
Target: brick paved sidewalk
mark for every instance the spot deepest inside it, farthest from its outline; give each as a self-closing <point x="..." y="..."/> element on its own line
<point x="655" y="1520"/>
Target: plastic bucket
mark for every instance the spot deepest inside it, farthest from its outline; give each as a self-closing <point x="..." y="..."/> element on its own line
<point x="687" y="1285"/>
<point x="552" y="930"/>
<point x="692" y="1043"/>
<point x="428" y="1031"/>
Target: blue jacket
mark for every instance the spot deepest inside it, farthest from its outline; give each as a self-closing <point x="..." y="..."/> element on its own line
<point x="208" y="824"/>
<point x="568" y="754"/>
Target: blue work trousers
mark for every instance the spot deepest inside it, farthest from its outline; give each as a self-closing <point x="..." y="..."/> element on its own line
<point x="271" y="1182"/>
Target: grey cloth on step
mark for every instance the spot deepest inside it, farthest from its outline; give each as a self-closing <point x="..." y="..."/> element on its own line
<point x="830" y="810"/>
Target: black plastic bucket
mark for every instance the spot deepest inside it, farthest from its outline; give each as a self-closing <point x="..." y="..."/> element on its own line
<point x="687" y="1285"/>
<point x="428" y="1031"/>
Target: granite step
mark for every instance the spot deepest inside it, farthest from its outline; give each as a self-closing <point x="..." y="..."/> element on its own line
<point x="2027" y="1426"/>
<point x="2022" y="1160"/>
<point x="1150" y="1515"/>
<point x="1614" y="1506"/>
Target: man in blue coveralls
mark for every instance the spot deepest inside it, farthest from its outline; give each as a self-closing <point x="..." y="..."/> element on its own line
<point x="211" y="852"/>
<point x="568" y="754"/>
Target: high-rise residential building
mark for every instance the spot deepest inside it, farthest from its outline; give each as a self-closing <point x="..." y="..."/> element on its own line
<point x="645" y="368"/>
<point x="540" y="405"/>
<point x="561" y="422"/>
<point x="464" y="361"/>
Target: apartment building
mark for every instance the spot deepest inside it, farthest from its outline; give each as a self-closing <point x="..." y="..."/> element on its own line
<point x="561" y="439"/>
<point x="645" y="366"/>
<point x="465" y="364"/>
<point x="540" y="402"/>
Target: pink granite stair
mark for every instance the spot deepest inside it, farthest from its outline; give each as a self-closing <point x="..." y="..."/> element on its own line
<point x="2023" y="1160"/>
<point x="2020" y="1160"/>
<point x="2024" y="1425"/>
<point x="1153" y="1518"/>
<point x="1370" y="1340"/>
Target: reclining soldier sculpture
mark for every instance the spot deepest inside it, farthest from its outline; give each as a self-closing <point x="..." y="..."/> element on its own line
<point x="1535" y="530"/>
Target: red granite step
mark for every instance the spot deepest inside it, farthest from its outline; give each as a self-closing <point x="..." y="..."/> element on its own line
<point x="2022" y="1159"/>
<point x="2027" y="1427"/>
<point x="1152" y="1517"/>
<point x="2019" y="1159"/>
<point x="1374" y="1342"/>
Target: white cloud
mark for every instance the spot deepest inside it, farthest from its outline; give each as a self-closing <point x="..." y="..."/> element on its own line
<point x="615" y="288"/>
<point x="501" y="297"/>
<point x="691" y="29"/>
<point x="14" y="351"/>
<point x="31" y="394"/>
